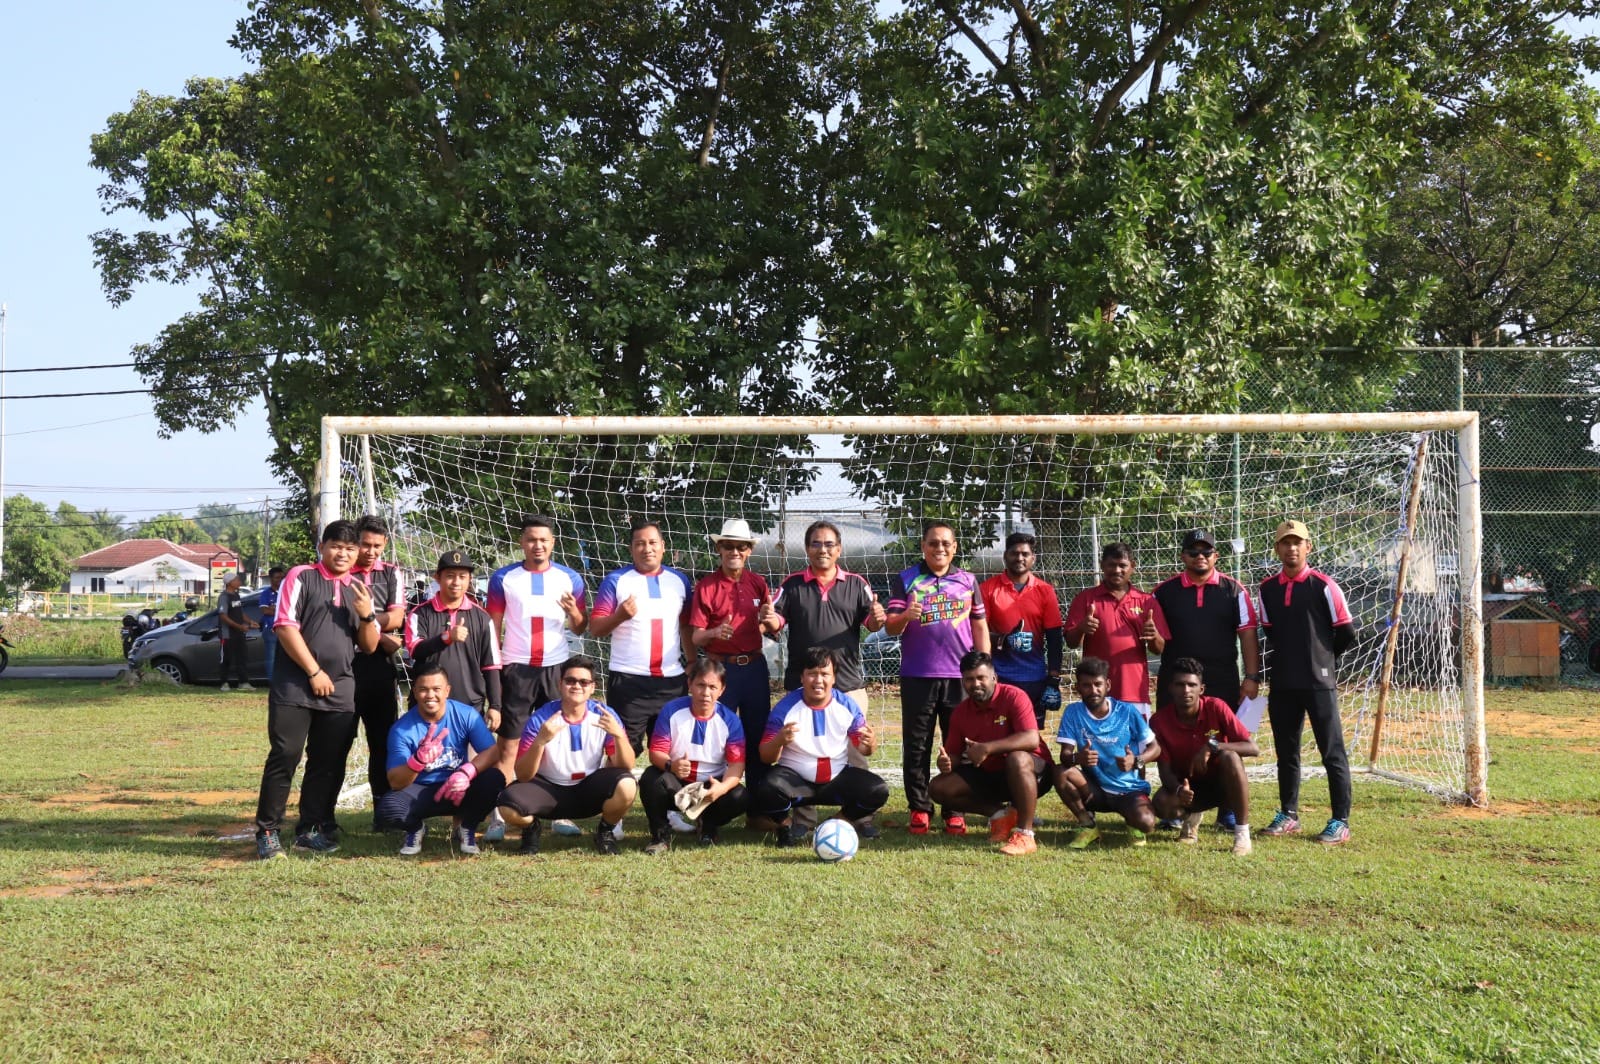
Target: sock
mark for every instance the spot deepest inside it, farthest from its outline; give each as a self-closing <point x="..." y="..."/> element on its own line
<point x="1024" y="831"/>
<point x="1242" y="831"/>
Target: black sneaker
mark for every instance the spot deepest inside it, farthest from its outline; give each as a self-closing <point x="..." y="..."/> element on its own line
<point x="866" y="829"/>
<point x="605" y="839"/>
<point x="332" y="833"/>
<point x="709" y="836"/>
<point x="269" y="845"/>
<point x="788" y="834"/>
<point x="314" y="841"/>
<point x="660" y="843"/>
<point x="530" y="838"/>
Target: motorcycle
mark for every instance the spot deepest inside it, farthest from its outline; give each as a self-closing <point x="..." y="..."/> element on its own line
<point x="6" y="646"/>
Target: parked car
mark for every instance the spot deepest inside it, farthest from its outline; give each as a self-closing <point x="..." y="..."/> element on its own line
<point x="192" y="652"/>
<point x="880" y="657"/>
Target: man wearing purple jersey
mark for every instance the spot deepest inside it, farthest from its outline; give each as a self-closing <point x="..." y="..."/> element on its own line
<point x="937" y="611"/>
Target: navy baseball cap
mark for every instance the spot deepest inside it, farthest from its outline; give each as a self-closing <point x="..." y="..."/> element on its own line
<point x="1195" y="537"/>
<point x="454" y="559"/>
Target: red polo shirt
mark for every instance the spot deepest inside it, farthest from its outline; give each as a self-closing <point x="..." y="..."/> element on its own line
<point x="1180" y="739"/>
<point x="1007" y="712"/>
<point x="1118" y="641"/>
<point x="716" y="598"/>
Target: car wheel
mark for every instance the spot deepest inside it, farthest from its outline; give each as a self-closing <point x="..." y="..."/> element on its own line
<point x="172" y="669"/>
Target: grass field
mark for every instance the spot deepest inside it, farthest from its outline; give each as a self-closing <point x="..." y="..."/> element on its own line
<point x="129" y="931"/>
<point x="52" y="641"/>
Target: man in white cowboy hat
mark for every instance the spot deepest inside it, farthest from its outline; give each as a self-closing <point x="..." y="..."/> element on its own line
<point x="730" y="612"/>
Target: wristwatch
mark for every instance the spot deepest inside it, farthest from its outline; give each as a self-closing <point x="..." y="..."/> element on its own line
<point x="1253" y="677"/>
<point x="369" y="618"/>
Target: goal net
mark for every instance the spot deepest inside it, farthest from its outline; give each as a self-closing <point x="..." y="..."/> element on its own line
<point x="1390" y="499"/>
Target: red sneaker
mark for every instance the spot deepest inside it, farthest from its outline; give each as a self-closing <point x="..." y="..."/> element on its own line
<point x="955" y="825"/>
<point x="1001" y="823"/>
<point x="919" y="824"/>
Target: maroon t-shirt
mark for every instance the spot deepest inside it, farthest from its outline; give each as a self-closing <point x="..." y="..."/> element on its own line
<point x="1007" y="712"/>
<point x="1180" y="739"/>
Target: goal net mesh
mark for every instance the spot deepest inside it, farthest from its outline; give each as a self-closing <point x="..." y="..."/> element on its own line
<point x="1074" y="493"/>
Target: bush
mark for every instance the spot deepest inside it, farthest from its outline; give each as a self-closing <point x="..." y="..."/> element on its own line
<point x="64" y="639"/>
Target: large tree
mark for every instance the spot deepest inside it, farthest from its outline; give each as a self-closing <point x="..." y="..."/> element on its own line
<point x="495" y="208"/>
<point x="41" y="546"/>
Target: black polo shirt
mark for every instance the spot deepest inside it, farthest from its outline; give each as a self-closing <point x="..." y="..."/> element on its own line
<point x="831" y="616"/>
<point x="317" y="603"/>
<point x="1205" y="619"/>
<point x="472" y="667"/>
<point x="383" y="580"/>
<point x="1308" y="625"/>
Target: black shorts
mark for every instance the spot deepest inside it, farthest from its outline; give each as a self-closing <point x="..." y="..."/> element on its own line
<point x="1208" y="794"/>
<point x="523" y="689"/>
<point x="1126" y="806"/>
<point x="541" y="798"/>
<point x="638" y="700"/>
<point x="994" y="786"/>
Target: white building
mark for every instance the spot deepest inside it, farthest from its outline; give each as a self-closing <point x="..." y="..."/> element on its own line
<point x="148" y="567"/>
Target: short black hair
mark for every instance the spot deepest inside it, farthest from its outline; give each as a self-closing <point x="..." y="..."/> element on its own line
<point x="1186" y="665"/>
<point x="1022" y="539"/>
<point x="816" y="526"/>
<point x="931" y="525"/>
<point x="577" y="661"/>
<point x="433" y="668"/>
<point x="275" y="570"/>
<point x="536" y="521"/>
<point x="372" y="523"/>
<point x="817" y="657"/>
<point x="975" y="659"/>
<point x="341" y="532"/>
<point x="1116" y="550"/>
<point x="708" y="667"/>
<point x="1097" y="667"/>
<point x="643" y="523"/>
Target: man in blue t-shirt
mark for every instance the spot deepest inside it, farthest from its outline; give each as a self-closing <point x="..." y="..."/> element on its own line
<point x="267" y="602"/>
<point x="1105" y="744"/>
<point x="428" y="767"/>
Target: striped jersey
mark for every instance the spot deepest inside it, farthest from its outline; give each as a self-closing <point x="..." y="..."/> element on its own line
<point x="581" y="752"/>
<point x="710" y="744"/>
<point x="649" y="642"/>
<point x="529" y="603"/>
<point x="824" y="736"/>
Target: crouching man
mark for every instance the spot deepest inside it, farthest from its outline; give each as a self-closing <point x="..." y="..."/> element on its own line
<point x="428" y="767"/>
<point x="993" y="762"/>
<point x="696" y="739"/>
<point x="573" y="761"/>
<point x="1203" y="747"/>
<point x="806" y="740"/>
<point x="1105" y="744"/>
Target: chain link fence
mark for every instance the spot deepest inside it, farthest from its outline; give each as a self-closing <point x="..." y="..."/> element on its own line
<point x="1540" y="466"/>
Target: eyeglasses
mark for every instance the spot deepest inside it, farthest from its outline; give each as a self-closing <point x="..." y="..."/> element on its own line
<point x="818" y="544"/>
<point x="1199" y="552"/>
<point x="573" y="681"/>
<point x="742" y="548"/>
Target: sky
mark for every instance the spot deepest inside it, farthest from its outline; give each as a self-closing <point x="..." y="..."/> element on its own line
<point x="65" y="68"/>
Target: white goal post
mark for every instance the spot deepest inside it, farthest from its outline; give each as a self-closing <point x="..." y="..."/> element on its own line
<point x="1392" y="500"/>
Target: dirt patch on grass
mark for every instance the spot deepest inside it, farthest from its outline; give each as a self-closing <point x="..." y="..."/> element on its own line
<point x="1508" y="808"/>
<point x="1523" y="725"/>
<point x="77" y="881"/>
<point x="124" y="799"/>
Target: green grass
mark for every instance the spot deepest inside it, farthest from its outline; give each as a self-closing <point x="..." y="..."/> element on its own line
<point x="128" y="931"/>
<point x="52" y="641"/>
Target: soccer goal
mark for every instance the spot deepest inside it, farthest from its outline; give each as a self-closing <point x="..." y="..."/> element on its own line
<point x="1391" y="500"/>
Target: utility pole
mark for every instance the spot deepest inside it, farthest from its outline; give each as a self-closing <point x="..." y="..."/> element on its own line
<point x="266" y="534"/>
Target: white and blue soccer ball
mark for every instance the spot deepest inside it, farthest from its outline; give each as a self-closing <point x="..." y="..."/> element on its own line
<point x="835" y="840"/>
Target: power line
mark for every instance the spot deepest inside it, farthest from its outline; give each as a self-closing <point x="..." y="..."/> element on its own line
<point x="208" y="361"/>
<point x="81" y="424"/>
<point x="148" y="491"/>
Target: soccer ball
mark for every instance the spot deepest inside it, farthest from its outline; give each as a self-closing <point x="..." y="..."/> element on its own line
<point x="835" y="840"/>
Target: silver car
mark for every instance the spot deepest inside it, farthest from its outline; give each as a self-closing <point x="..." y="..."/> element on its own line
<point x="191" y="651"/>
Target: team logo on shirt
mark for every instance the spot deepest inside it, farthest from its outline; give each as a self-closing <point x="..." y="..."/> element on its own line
<point x="1001" y="719"/>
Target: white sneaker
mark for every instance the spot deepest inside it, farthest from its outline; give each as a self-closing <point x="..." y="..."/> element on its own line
<point x="496" y="831"/>
<point x="679" y="824"/>
<point x="466" y="841"/>
<point x="243" y="687"/>
<point x="224" y="687"/>
<point x="412" y="844"/>
<point x="1190" y="832"/>
<point x="565" y="827"/>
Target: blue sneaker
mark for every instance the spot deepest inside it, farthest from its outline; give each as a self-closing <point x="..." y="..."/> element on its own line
<point x="1227" y="820"/>
<point x="314" y="841"/>
<point x="1282" y="824"/>
<point x="269" y="845"/>
<point x="1337" y="831"/>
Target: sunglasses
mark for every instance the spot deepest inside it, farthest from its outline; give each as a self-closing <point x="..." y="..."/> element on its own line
<point x="573" y="681"/>
<point x="1200" y="552"/>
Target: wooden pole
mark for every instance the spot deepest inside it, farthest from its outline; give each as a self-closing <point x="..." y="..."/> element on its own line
<point x="1392" y="637"/>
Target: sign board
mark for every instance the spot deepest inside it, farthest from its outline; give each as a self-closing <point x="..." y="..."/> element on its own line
<point x="223" y="566"/>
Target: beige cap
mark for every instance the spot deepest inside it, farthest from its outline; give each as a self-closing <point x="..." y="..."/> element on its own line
<point x="1291" y="528"/>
